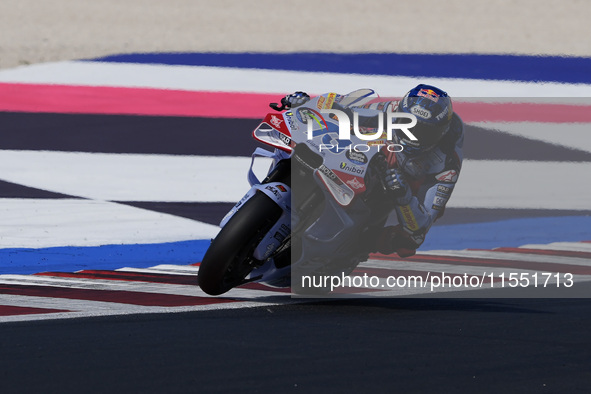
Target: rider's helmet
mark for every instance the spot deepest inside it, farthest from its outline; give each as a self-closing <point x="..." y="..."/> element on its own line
<point x="433" y="109"/>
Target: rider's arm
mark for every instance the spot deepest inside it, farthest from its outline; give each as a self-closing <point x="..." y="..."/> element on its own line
<point x="417" y="213"/>
<point x="423" y="209"/>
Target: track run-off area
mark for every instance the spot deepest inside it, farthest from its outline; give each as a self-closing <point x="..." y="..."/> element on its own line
<point x="116" y="171"/>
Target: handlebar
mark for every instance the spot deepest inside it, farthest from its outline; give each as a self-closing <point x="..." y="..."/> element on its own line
<point x="278" y="107"/>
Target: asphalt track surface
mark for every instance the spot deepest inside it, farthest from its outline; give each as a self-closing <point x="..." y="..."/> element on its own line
<point x="373" y="345"/>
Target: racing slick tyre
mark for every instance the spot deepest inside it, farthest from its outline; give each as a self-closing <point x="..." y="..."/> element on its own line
<point x="228" y="259"/>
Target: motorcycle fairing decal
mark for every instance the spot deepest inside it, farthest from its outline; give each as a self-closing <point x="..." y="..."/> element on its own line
<point x="330" y="101"/>
<point x="274" y="238"/>
<point x="278" y="123"/>
<point x="278" y="192"/>
<point x="359" y="170"/>
<point x="326" y="102"/>
<point x="293" y="124"/>
<point x="305" y="114"/>
<point x="356" y="183"/>
<point x="342" y="193"/>
<point x="236" y="207"/>
<point x="274" y="131"/>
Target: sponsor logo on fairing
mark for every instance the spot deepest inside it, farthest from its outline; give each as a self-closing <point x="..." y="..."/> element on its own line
<point x="282" y="233"/>
<point x="354" y="183"/>
<point x="309" y="116"/>
<point x="275" y="121"/>
<point x="272" y="190"/>
<point x="279" y="237"/>
<point x="352" y="169"/>
<point x="285" y="139"/>
<point x="293" y="125"/>
<point x="356" y="157"/>
<point x="320" y="102"/>
<point x="326" y="171"/>
<point x="330" y="101"/>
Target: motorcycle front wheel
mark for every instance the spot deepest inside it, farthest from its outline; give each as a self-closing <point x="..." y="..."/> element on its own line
<point x="228" y="259"/>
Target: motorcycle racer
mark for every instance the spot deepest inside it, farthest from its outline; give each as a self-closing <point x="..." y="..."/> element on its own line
<point x="420" y="178"/>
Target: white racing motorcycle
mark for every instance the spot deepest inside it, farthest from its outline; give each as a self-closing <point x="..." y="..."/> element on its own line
<point x="317" y="211"/>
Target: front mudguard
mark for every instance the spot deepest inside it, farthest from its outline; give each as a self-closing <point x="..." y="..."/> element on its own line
<point x="256" y="184"/>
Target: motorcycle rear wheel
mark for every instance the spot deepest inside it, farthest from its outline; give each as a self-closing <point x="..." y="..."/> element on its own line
<point x="229" y="257"/>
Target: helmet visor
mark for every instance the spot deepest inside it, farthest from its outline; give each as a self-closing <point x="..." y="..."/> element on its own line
<point x="428" y="135"/>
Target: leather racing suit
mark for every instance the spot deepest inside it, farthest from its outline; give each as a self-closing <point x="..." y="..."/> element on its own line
<point x="431" y="176"/>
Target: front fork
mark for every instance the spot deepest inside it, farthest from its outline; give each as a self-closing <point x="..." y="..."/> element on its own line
<point x="276" y="186"/>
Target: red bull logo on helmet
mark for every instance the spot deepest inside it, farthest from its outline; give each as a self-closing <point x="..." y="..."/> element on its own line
<point x="429" y="93"/>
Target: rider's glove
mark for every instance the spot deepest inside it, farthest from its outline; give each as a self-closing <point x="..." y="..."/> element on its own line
<point x="397" y="187"/>
<point x="295" y="99"/>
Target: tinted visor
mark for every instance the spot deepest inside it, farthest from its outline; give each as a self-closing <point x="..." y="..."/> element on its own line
<point x="427" y="135"/>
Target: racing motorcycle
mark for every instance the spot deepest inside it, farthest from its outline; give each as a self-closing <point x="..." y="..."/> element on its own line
<point x="317" y="211"/>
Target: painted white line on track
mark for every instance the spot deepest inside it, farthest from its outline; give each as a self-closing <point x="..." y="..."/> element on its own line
<point x="99" y="284"/>
<point x="517" y="257"/>
<point x="147" y="310"/>
<point x="517" y="184"/>
<point x="39" y="223"/>
<point x="132" y="177"/>
<point x="223" y="179"/>
<point x="73" y="305"/>
<point x="570" y="135"/>
<point x="163" y="269"/>
<point x="123" y="285"/>
<point x="569" y="246"/>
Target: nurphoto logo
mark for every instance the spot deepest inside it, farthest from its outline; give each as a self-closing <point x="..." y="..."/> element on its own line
<point x="345" y="130"/>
